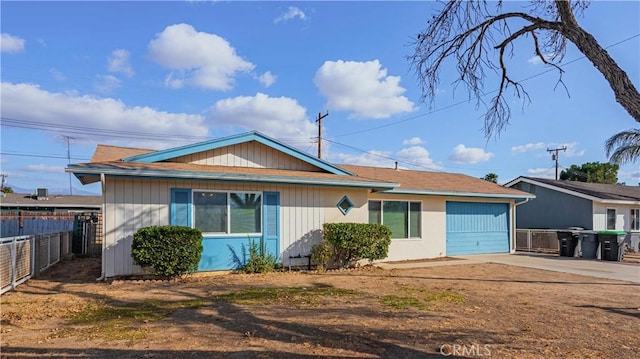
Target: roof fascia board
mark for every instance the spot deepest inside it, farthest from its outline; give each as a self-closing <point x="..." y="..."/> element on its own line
<point x="456" y="194"/>
<point x="234" y="140"/>
<point x="233" y="177"/>
<point x="619" y="201"/>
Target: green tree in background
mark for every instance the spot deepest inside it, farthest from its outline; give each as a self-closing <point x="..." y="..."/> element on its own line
<point x="491" y="177"/>
<point x="594" y="172"/>
<point x="7" y="190"/>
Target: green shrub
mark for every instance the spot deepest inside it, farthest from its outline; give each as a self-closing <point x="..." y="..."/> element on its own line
<point x="170" y="251"/>
<point x="256" y="261"/>
<point x="322" y="254"/>
<point x="354" y="241"/>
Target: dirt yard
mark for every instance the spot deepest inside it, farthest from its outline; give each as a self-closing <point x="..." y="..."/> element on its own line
<point x="470" y="310"/>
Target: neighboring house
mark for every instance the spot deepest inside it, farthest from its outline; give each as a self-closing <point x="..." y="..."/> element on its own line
<point x="595" y="206"/>
<point x="250" y="186"/>
<point x="14" y="202"/>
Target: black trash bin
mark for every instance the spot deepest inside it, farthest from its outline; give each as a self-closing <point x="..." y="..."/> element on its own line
<point x="611" y="245"/>
<point x="589" y="244"/>
<point x="567" y="243"/>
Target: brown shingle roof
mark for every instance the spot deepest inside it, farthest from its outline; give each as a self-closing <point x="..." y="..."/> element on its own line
<point x="110" y="156"/>
<point x="25" y="200"/>
<point x="598" y="190"/>
<point x="431" y="181"/>
<point x="190" y="167"/>
<point x="105" y="153"/>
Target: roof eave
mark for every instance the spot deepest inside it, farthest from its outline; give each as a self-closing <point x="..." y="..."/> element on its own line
<point x="89" y="172"/>
<point x="424" y="192"/>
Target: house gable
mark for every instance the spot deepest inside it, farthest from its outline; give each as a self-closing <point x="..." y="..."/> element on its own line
<point x="242" y="150"/>
<point x="248" y="154"/>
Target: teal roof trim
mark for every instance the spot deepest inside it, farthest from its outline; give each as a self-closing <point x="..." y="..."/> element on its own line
<point x="93" y="172"/>
<point x="163" y="155"/>
<point x="457" y="194"/>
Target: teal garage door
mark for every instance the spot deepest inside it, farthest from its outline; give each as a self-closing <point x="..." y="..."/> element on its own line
<point x="474" y="228"/>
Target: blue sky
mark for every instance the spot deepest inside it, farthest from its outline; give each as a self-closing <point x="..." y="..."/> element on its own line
<point x="163" y="74"/>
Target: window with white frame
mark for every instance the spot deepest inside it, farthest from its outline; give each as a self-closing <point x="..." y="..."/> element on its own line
<point x="611" y="219"/>
<point x="227" y="212"/>
<point x="635" y="219"/>
<point x="402" y="217"/>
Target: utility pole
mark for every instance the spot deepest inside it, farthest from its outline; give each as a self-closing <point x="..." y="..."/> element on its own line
<point x="4" y="176"/>
<point x="319" y="121"/>
<point x="69" y="138"/>
<point x="554" y="156"/>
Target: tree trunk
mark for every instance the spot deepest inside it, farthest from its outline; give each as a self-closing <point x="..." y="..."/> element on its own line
<point x="626" y="94"/>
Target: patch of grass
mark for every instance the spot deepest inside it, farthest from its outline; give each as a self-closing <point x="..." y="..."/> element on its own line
<point x="446" y="297"/>
<point x="283" y="295"/>
<point x="418" y="301"/>
<point x="123" y="322"/>
<point x="397" y="302"/>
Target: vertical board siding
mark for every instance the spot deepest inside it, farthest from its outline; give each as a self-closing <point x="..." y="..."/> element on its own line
<point x="474" y="228"/>
<point x="248" y="154"/>
<point x="302" y="212"/>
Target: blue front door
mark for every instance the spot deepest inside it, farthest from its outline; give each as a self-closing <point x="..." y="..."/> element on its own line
<point x="271" y="223"/>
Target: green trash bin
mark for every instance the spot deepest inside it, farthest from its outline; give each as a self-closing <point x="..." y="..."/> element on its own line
<point x="611" y="245"/>
<point x="589" y="244"/>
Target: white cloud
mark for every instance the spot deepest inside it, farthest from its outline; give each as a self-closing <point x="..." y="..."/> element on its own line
<point x="413" y="141"/>
<point x="29" y="102"/>
<point x="57" y="75"/>
<point x="362" y="88"/>
<point x="279" y="117"/>
<point x="292" y="13"/>
<point x="417" y="156"/>
<point x="528" y="147"/>
<point x="11" y="44"/>
<point x="119" y="62"/>
<point x="411" y="157"/>
<point x="631" y="178"/>
<point x="572" y="149"/>
<point x="542" y="172"/>
<point x="267" y="78"/>
<point x="535" y="60"/>
<point x="43" y="168"/>
<point x="106" y="83"/>
<point x="197" y="59"/>
<point x="471" y="155"/>
<point x="371" y="158"/>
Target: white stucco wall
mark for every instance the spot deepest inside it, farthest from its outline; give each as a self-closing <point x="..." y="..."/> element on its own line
<point x="623" y="216"/>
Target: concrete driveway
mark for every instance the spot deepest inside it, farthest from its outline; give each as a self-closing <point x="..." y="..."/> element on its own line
<point x="629" y="272"/>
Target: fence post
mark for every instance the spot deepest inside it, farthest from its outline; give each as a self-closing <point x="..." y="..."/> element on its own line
<point x="13" y="251"/>
<point x="529" y="244"/>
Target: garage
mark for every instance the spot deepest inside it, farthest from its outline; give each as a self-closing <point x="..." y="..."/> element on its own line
<point x="476" y="228"/>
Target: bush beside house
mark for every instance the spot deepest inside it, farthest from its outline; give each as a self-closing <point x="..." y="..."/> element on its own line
<point x="170" y="251"/>
<point x="347" y="243"/>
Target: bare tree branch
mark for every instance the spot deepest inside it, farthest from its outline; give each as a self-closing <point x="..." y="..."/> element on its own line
<point x="466" y="32"/>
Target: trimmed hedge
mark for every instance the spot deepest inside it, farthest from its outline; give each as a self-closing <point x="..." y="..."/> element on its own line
<point x="170" y="251"/>
<point x="355" y="241"/>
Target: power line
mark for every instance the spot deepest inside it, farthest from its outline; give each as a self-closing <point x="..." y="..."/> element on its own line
<point x="103" y="132"/>
<point x="485" y="94"/>
<point x="381" y="156"/>
<point x="42" y="156"/>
